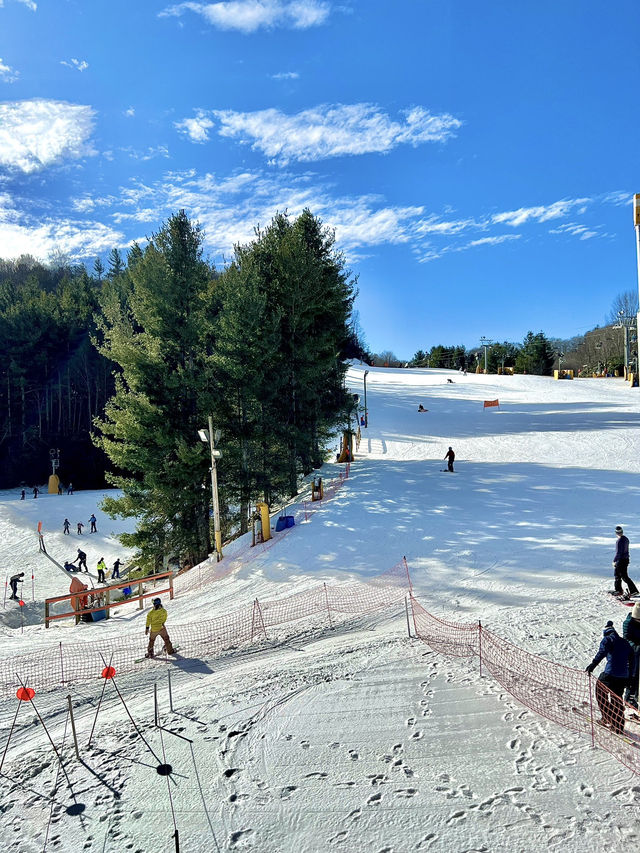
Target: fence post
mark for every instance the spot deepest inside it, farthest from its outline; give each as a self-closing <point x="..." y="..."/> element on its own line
<point x="593" y="733"/>
<point x="406" y="607"/>
<point x="140" y="603"/>
<point x="61" y="665"/>
<point x="46" y="614"/>
<point x="480" y="644"/>
<point x="326" y="598"/>
<point x="406" y="568"/>
<point x="107" y="598"/>
<point x="73" y="725"/>
<point x="171" y="587"/>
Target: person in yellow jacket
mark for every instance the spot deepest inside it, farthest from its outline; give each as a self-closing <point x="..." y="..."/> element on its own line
<point x="155" y="628"/>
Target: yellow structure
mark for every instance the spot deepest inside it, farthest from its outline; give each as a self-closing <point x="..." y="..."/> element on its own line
<point x="54" y="484"/>
<point x="265" y="521"/>
<point x="347" y="447"/>
<point x="563" y="374"/>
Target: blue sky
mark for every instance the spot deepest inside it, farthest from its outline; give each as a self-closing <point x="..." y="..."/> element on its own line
<point x="477" y="161"/>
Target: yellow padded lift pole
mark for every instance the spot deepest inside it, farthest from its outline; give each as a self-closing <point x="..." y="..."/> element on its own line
<point x="263" y="509"/>
<point x="54" y="482"/>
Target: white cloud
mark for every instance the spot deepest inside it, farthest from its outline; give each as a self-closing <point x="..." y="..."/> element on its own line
<point x="285" y="75"/>
<point x="20" y="235"/>
<point x="149" y="153"/>
<point x="7" y="74"/>
<point x="494" y="241"/>
<point x="583" y="232"/>
<point x="541" y="213"/>
<point x="40" y="133"/>
<point x="130" y="112"/>
<point x="78" y="64"/>
<point x="197" y="129"/>
<point x="28" y="3"/>
<point x="247" y="16"/>
<point x="323" y="131"/>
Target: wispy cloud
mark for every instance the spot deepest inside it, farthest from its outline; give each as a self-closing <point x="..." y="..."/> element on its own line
<point x="78" y="64"/>
<point x="247" y="16"/>
<point x="150" y="153"/>
<point x="540" y="213"/>
<point x="494" y="241"/>
<point x="285" y="75"/>
<point x="583" y="232"/>
<point x="197" y="128"/>
<point x="28" y="3"/>
<point x="22" y="235"/>
<point x="130" y="112"/>
<point x="40" y="133"/>
<point x="7" y="74"/>
<point x="324" y="131"/>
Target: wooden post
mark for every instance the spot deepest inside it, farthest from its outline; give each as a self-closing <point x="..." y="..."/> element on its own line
<point x="73" y="727"/>
<point x="46" y="614"/>
<point x="140" y="602"/>
<point x="171" y="587"/>
<point x="107" y="598"/>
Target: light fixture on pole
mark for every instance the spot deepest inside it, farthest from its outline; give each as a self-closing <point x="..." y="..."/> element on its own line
<point x="486" y="343"/>
<point x="212" y="438"/>
<point x="366" y="413"/>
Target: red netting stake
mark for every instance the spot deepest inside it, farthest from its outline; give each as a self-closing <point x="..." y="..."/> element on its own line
<point x="480" y="644"/>
<point x="593" y="733"/>
<point x="406" y="566"/>
<point x="326" y="598"/>
<point x="413" y="614"/>
<point x="406" y="607"/>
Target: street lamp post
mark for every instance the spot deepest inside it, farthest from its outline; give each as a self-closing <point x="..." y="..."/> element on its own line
<point x="366" y="413"/>
<point x="486" y="343"/>
<point x="212" y="438"/>
<point x="636" y="222"/>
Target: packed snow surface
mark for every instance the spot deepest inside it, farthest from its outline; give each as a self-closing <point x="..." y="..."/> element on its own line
<point x="357" y="738"/>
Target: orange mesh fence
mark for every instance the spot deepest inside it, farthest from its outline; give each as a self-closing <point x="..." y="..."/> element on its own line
<point x="255" y="622"/>
<point x="566" y="696"/>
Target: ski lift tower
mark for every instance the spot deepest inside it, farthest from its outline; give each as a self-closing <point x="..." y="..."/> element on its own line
<point x="54" y="480"/>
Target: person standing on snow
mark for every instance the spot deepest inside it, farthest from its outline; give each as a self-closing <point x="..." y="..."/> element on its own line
<point x="631" y="633"/>
<point x="102" y="568"/>
<point x="80" y="526"/>
<point x="36" y="492"/>
<point x="450" y="456"/>
<point x="65" y="526"/>
<point x="612" y="682"/>
<point x="156" y="618"/>
<point x="70" y="489"/>
<point x="22" y="494"/>
<point x="621" y="564"/>
<point x="13" y="583"/>
<point x="116" y="569"/>
<point x="92" y="522"/>
<point x="81" y="559"/>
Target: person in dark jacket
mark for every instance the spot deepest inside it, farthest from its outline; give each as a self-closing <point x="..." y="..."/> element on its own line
<point x="65" y="526"/>
<point x="13" y="583"/>
<point x="450" y="456"/>
<point x="631" y="633"/>
<point x="81" y="560"/>
<point x="116" y="569"/>
<point x="92" y="522"/>
<point x="621" y="564"/>
<point x="615" y="677"/>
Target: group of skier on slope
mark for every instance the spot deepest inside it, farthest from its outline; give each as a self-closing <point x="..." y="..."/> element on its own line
<point x="619" y="679"/>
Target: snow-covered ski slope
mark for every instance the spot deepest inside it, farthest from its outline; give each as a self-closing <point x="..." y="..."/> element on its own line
<point x="359" y="739"/>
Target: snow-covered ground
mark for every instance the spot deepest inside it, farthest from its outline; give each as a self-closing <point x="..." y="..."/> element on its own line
<point x="357" y="739"/>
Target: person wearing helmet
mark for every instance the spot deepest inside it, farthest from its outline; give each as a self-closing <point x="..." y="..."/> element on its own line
<point x="621" y="564"/>
<point x="156" y="618"/>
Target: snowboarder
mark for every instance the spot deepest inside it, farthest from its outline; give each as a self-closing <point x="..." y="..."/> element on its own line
<point x="620" y="565"/>
<point x="611" y="683"/>
<point x="80" y="526"/>
<point x="70" y="489"/>
<point x="631" y="633"/>
<point x="36" y="492"/>
<point x="13" y="583"/>
<point x="59" y="488"/>
<point x="65" y="526"/>
<point x="421" y="408"/>
<point x="155" y="628"/>
<point x="22" y="495"/>
<point x="81" y="559"/>
<point x="450" y="456"/>
<point x="92" y="522"/>
<point x="102" y="568"/>
<point x="115" y="573"/>
<point x="450" y="381"/>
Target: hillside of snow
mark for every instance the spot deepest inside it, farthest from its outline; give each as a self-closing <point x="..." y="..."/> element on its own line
<point x="355" y="738"/>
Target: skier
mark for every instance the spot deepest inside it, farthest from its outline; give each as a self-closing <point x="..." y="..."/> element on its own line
<point x="65" y="526"/>
<point x="631" y="633"/>
<point x="80" y="526"/>
<point x="13" y="583"/>
<point x="22" y="495"/>
<point x="92" y="522"/>
<point x="81" y="559"/>
<point x="620" y="565"/>
<point x="36" y="492"/>
<point x="102" y="568"/>
<point x="70" y="489"/>
<point x="421" y="408"/>
<point x="155" y="628"/>
<point x="116" y="570"/>
<point x="450" y="456"/>
<point x="611" y="683"/>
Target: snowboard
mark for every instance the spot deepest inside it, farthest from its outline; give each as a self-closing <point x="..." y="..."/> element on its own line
<point x="161" y="656"/>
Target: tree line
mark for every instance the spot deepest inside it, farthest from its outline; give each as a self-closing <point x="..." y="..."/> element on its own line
<point x="129" y="363"/>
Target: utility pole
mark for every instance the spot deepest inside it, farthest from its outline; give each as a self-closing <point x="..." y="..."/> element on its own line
<point x="366" y="413"/>
<point x="214" y="437"/>
<point x="486" y="343"/>
<point x="636" y="222"/>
